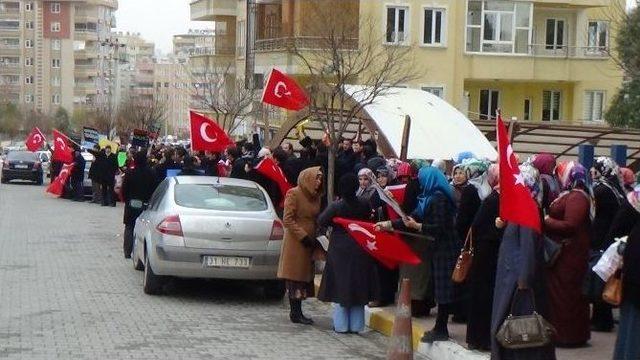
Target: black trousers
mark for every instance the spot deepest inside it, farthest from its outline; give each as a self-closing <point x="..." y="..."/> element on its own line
<point x="78" y="189"/>
<point x="107" y="194"/>
<point x="127" y="246"/>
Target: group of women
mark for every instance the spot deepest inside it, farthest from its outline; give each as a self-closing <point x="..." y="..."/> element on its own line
<point x="581" y="211"/>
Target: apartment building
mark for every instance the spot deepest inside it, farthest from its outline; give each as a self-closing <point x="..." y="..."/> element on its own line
<point x="51" y="52"/>
<point x="538" y="60"/>
<point x="135" y="74"/>
<point x="173" y="89"/>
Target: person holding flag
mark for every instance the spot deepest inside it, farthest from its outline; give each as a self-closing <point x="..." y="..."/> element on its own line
<point x="436" y="213"/>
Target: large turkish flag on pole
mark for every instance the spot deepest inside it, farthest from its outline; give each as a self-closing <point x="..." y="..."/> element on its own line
<point x="386" y="247"/>
<point x="57" y="186"/>
<point x="271" y="170"/>
<point x="282" y="91"/>
<point x="62" y="150"/>
<point x="35" y="140"/>
<point x="206" y="135"/>
<point x="516" y="203"/>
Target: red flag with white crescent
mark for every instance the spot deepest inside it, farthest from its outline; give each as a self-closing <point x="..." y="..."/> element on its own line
<point x="206" y="135"/>
<point x="516" y="203"/>
<point x="386" y="247"/>
<point x="35" y="140"/>
<point x="62" y="150"/>
<point x="398" y="192"/>
<point x="271" y="170"/>
<point x="57" y="185"/>
<point x="283" y="91"/>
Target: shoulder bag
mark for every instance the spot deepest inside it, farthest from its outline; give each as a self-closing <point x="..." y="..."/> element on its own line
<point x="612" y="293"/>
<point x="463" y="264"/>
<point x="527" y="331"/>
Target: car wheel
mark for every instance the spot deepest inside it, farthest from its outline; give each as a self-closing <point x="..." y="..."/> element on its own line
<point x="153" y="283"/>
<point x="274" y="290"/>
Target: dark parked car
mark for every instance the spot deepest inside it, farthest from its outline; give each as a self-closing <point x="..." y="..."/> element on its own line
<point x="22" y="165"/>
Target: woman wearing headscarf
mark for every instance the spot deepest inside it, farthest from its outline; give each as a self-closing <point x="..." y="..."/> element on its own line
<point x="301" y="207"/>
<point x="367" y="191"/>
<point x="628" y="179"/>
<point x="608" y="197"/>
<point x="458" y="182"/>
<point x="520" y="279"/>
<point x="435" y="216"/>
<point x="473" y="194"/>
<point x="349" y="278"/>
<point x="546" y="163"/>
<point x="568" y="223"/>
<point x="629" y="330"/>
<point x="482" y="276"/>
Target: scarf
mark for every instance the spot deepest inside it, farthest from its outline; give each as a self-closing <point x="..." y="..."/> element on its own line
<point x="432" y="181"/>
<point x="476" y="170"/>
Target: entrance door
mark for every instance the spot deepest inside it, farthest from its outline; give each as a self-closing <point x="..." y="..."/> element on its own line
<point x="489" y="100"/>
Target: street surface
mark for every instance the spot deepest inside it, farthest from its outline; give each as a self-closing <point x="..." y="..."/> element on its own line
<point x="66" y="292"/>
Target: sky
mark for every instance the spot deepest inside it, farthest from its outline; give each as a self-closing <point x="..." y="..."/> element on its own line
<point x="157" y="20"/>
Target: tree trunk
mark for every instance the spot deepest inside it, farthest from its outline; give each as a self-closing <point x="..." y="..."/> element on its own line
<point x="331" y="173"/>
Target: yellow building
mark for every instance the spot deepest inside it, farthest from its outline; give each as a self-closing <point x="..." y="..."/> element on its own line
<point x="542" y="60"/>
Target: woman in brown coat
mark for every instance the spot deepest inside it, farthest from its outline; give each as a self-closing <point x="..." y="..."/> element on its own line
<point x="301" y="208"/>
<point x="569" y="223"/>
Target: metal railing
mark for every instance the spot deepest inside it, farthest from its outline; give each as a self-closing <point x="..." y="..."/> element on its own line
<point x="565" y="51"/>
<point x="302" y="43"/>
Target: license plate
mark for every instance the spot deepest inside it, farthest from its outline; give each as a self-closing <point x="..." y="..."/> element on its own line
<point x="227" y="262"/>
<point x="22" y="166"/>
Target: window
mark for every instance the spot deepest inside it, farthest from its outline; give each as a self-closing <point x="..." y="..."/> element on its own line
<point x="220" y="197"/>
<point x="55" y="26"/>
<point x="28" y="98"/>
<point x="28" y="6"/>
<point x="551" y="105"/>
<point x="498" y="26"/>
<point x="598" y="36"/>
<point x="28" y="43"/>
<point x="593" y="105"/>
<point x="489" y="100"/>
<point x="55" y="81"/>
<point x="241" y="38"/>
<point x="437" y="91"/>
<point x="555" y="34"/>
<point x="527" y="109"/>
<point x="55" y="99"/>
<point x="434" y="26"/>
<point x="397" y="25"/>
<point x="28" y="25"/>
<point x="28" y="79"/>
<point x="28" y="61"/>
<point x="55" y="8"/>
<point x="55" y="63"/>
<point x="56" y="44"/>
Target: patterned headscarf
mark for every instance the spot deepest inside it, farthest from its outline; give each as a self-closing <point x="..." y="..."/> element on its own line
<point x="476" y="170"/>
<point x="453" y="172"/>
<point x="531" y="178"/>
<point x="628" y="177"/>
<point x="431" y="181"/>
<point x="493" y="176"/>
<point x="610" y="175"/>
<point x="545" y="163"/>
<point x="634" y="198"/>
<point x="464" y="156"/>
<point x="572" y="174"/>
<point x="370" y="189"/>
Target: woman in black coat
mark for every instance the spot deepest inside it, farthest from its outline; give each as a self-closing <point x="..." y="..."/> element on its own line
<point x="349" y="279"/>
<point x="137" y="187"/>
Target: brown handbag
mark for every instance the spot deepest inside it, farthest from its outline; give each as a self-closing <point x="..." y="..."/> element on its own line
<point x="612" y="293"/>
<point x="463" y="264"/>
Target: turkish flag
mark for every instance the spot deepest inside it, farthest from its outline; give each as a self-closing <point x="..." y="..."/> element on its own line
<point x="386" y="247"/>
<point x="398" y="192"/>
<point x="271" y="170"/>
<point x="206" y="135"/>
<point x="62" y="150"/>
<point x="516" y="203"/>
<point x="57" y="185"/>
<point x="35" y="140"/>
<point x="282" y="91"/>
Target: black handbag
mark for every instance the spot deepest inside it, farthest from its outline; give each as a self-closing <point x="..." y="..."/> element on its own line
<point x="593" y="285"/>
<point x="525" y="331"/>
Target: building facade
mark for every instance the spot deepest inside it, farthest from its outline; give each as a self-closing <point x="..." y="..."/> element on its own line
<point x="51" y="53"/>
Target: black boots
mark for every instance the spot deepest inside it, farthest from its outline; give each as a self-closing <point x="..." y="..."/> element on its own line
<point x="296" y="315"/>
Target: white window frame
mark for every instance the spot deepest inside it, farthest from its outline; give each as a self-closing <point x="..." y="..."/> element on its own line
<point x="55" y="63"/>
<point x="28" y="98"/>
<point x="597" y="48"/>
<point x="28" y="6"/>
<point x="514" y="33"/>
<point x="56" y="26"/>
<point x="55" y="8"/>
<point x="28" y="61"/>
<point x="28" y="43"/>
<point x="28" y="79"/>
<point x="55" y="81"/>
<point x="28" y="25"/>
<point x="565" y="34"/>
<point x="56" y="44"/>
<point x="55" y="99"/>
<point x="490" y="90"/>
<point x="443" y="26"/>
<point x="551" y="105"/>
<point x="439" y="87"/>
<point x="592" y="117"/>
<point x="407" y="24"/>
<point x="527" y="115"/>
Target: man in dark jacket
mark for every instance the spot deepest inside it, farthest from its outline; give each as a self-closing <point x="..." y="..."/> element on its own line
<point x="94" y="174"/>
<point x="137" y="187"/>
<point x="238" y="164"/>
<point x="109" y="171"/>
<point x="209" y="163"/>
<point x="77" y="175"/>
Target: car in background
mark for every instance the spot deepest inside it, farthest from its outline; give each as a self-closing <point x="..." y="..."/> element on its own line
<point x="208" y="227"/>
<point x="21" y="165"/>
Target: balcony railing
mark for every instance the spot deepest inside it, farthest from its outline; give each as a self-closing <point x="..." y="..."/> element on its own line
<point x="542" y="50"/>
<point x="302" y="43"/>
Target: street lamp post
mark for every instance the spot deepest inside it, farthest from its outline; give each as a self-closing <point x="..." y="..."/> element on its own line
<point x="115" y="47"/>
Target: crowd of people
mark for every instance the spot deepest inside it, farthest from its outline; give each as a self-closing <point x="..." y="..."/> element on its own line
<point x="448" y="204"/>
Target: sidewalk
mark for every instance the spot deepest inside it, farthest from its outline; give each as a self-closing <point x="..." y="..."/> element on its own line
<point x="381" y="319"/>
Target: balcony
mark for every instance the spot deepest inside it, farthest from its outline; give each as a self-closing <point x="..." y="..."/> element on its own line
<point x="581" y="3"/>
<point x="85" y="88"/>
<point x="209" y="10"/>
<point x="6" y="49"/>
<point x="86" y="34"/>
<point x="88" y="53"/>
<point x="86" y="71"/>
<point x="9" y="9"/>
<point x="301" y="43"/>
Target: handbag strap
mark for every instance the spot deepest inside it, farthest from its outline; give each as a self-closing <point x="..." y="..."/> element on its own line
<point x="513" y="300"/>
<point x="468" y="242"/>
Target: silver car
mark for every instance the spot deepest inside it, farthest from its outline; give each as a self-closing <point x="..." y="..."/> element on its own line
<point x="208" y="227"/>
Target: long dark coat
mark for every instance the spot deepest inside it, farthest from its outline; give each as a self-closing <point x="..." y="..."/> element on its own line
<point x="109" y="169"/>
<point x="607" y="206"/>
<point x="520" y="258"/>
<point x="569" y="222"/>
<point x="469" y="205"/>
<point x="482" y="277"/>
<point x="139" y="184"/>
<point x="349" y="277"/>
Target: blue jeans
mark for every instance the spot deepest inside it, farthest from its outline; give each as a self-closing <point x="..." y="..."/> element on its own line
<point x="348" y="319"/>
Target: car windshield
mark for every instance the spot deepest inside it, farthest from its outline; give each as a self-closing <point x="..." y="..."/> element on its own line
<point x="220" y="197"/>
<point x="21" y="156"/>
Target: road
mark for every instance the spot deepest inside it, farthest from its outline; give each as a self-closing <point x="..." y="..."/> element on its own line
<point x="66" y="292"/>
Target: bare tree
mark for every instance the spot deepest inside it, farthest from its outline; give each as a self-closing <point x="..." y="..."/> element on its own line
<point x="347" y="49"/>
<point x="215" y="89"/>
<point x="140" y="112"/>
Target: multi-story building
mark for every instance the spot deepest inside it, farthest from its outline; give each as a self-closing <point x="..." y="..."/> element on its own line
<point x="51" y="53"/>
<point x="173" y="90"/>
<point x="136" y="66"/>
<point x="537" y="60"/>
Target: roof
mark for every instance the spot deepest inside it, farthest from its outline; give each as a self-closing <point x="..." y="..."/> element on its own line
<point x="438" y="130"/>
